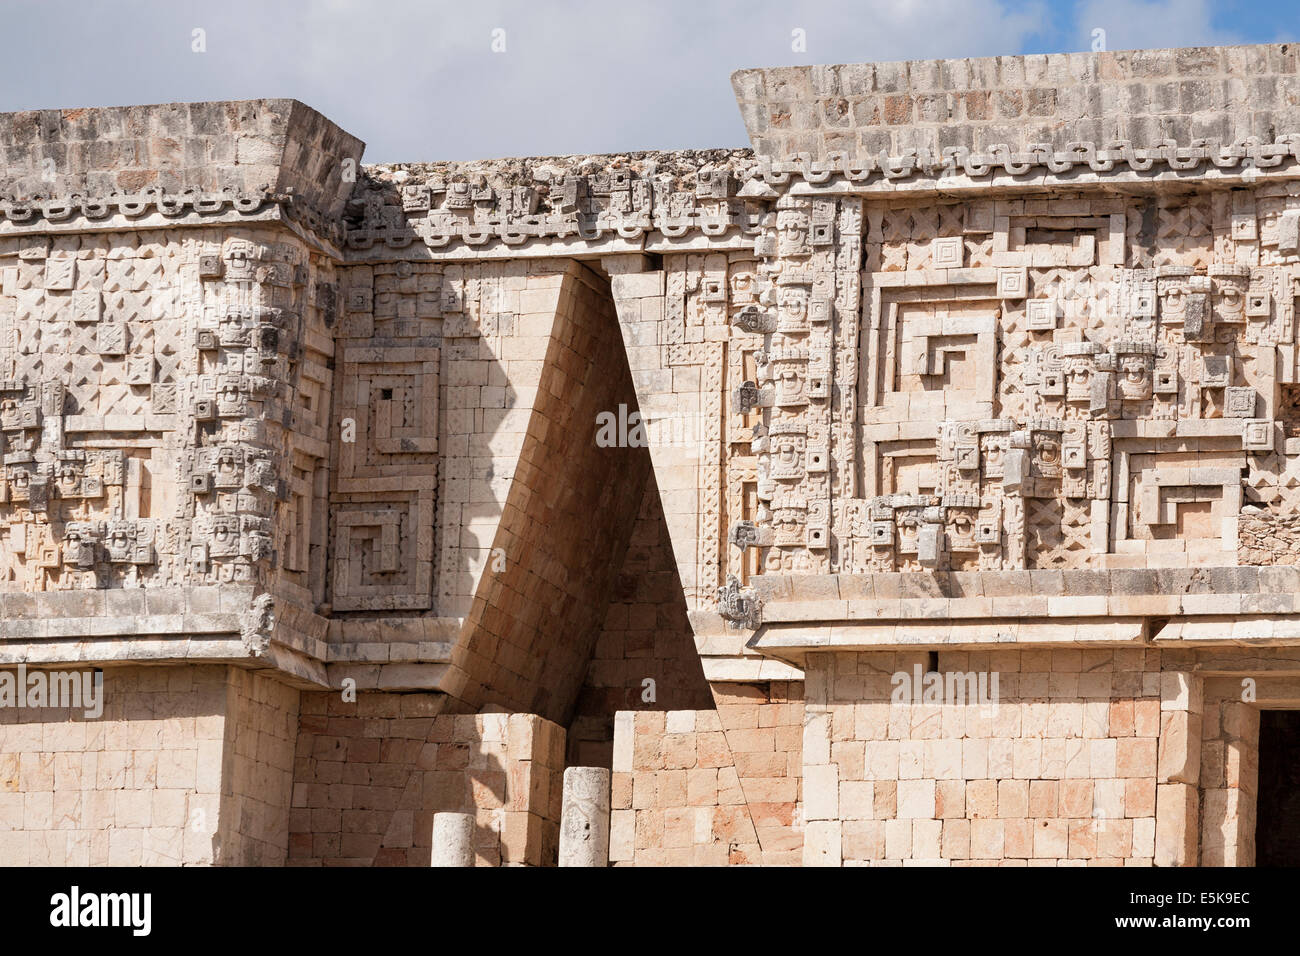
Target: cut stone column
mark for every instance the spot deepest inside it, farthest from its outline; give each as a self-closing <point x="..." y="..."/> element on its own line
<point x="453" y="839"/>
<point x="584" y="818"/>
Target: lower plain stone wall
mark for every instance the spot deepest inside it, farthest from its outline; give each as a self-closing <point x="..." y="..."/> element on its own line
<point x="194" y="765"/>
<point x="676" y="797"/>
<point x="369" y="776"/>
<point x="141" y="785"/>
<point x="260" y="734"/>
<point x="763" y="726"/>
<point x="1063" y="771"/>
<point x="1085" y="756"/>
<point x="710" y="787"/>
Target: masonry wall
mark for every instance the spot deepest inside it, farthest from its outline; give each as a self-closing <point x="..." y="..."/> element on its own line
<point x="260" y="733"/>
<point x="369" y="776"/>
<point x="676" y="797"/>
<point x="714" y="787"/>
<point x="1062" y="772"/>
<point x="763" y="726"/>
<point x="568" y="516"/>
<point x="1106" y="336"/>
<point x="141" y="785"/>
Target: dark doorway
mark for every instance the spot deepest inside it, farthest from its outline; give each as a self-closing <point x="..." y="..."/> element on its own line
<point x="1277" y="828"/>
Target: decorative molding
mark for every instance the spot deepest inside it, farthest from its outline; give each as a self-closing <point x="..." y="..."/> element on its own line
<point x="612" y="205"/>
<point x="39" y="213"/>
<point x="1113" y="156"/>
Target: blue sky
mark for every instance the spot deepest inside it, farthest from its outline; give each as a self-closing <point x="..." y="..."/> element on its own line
<point x="419" y="79"/>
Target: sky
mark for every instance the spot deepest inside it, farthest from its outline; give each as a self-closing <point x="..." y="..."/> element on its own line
<point x="423" y="80"/>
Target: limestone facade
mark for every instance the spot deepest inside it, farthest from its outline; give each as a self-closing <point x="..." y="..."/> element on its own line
<point x="980" y="367"/>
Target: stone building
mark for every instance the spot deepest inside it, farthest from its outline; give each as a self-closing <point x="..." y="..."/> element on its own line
<point x="920" y="487"/>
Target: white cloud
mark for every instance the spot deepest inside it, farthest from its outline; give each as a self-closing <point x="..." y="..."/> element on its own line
<point x="1153" y="24"/>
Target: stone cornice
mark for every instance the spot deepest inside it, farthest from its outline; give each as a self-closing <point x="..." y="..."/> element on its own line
<point x="1225" y="605"/>
<point x="611" y="211"/>
<point x="617" y="211"/>
<point x="590" y="216"/>
<point x="1114" y="157"/>
<point x="154" y="208"/>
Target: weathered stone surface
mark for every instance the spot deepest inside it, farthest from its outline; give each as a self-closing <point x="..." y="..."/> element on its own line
<point x="584" y="819"/>
<point x="1059" y="99"/>
<point x="453" y="839"/>
<point x="981" y="369"/>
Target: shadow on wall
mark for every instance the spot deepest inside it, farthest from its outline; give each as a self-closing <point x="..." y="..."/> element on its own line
<point x="371" y="775"/>
<point x="531" y="515"/>
<point x="435" y="378"/>
<point x="645" y="657"/>
<point x="567" y="517"/>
